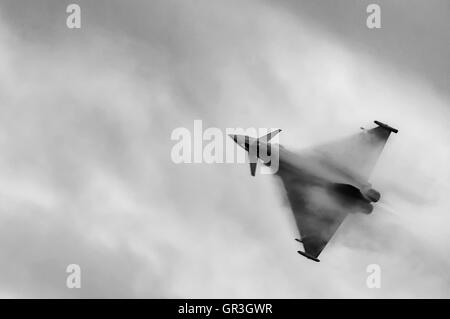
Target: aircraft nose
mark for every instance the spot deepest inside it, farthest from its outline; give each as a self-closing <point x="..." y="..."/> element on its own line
<point x="238" y="139"/>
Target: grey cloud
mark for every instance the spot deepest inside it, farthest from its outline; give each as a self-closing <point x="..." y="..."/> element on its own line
<point x="85" y="131"/>
<point x="414" y="37"/>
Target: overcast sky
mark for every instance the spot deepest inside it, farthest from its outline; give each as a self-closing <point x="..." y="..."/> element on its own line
<point x="86" y="118"/>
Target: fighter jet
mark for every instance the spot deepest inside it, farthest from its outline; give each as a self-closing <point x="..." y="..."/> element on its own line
<point x="325" y="183"/>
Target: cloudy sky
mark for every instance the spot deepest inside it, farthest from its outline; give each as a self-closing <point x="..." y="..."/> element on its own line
<point x="86" y="117"/>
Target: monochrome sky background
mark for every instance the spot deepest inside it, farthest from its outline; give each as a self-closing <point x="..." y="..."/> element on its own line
<point x="85" y="122"/>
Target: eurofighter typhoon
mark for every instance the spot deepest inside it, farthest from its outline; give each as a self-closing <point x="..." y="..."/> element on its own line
<point x="324" y="184"/>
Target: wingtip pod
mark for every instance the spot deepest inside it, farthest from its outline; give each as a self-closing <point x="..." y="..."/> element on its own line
<point x="308" y="256"/>
<point x="386" y="126"/>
